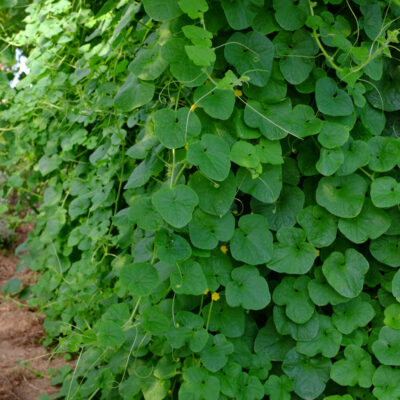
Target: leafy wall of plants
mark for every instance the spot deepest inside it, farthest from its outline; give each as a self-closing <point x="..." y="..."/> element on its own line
<point x="217" y="194"/>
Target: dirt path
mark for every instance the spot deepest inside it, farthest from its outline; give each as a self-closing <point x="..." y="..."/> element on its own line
<point x="24" y="362"/>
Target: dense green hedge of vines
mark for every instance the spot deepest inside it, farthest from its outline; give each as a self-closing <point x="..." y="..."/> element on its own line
<point x="217" y="194"/>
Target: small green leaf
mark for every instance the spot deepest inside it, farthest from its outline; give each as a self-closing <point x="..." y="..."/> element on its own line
<point x="392" y="316"/>
<point x="329" y="161"/>
<point x="139" y="278"/>
<point x="292" y="293"/>
<point x="217" y="103"/>
<point x="385" y="153"/>
<point x="309" y="375"/>
<point x="385" y="381"/>
<point x="252" y="240"/>
<point x="345" y="272"/>
<point x="199" y="384"/>
<point x="354" y="314"/>
<point x="214" y="198"/>
<point x="291" y="15"/>
<point x="342" y="196"/>
<point x="385" y="192"/>
<point x="144" y="215"/>
<point x="292" y="255"/>
<point x="174" y="129"/>
<point x="327" y="342"/>
<point x="211" y="155"/>
<point x="171" y="247"/>
<point x="386" y="249"/>
<point x="247" y="289"/>
<point x="386" y="348"/>
<point x="319" y="225"/>
<point x="244" y="154"/>
<point x="162" y="10"/>
<point x="369" y="224"/>
<point x="266" y="187"/>
<point x="207" y="230"/>
<point x="133" y="94"/>
<point x="278" y="387"/>
<point x="355" y="368"/>
<point x="214" y="354"/>
<point x="193" y="10"/>
<point x="110" y="334"/>
<point x="200" y="55"/>
<point x="251" y="54"/>
<point x="333" y="135"/>
<point x="331" y="100"/>
<point x="356" y="155"/>
<point x="176" y="204"/>
<point x="155" y="321"/>
<point x="188" y="278"/>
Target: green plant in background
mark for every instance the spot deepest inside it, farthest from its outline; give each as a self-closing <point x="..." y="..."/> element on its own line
<point x="217" y="195"/>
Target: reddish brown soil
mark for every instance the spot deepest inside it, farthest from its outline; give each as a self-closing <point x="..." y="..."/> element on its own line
<point x="23" y="360"/>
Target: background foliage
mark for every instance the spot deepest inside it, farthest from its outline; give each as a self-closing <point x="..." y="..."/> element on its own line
<point x="217" y="196"/>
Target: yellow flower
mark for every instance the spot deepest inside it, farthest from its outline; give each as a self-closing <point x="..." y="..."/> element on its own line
<point x="170" y="392"/>
<point x="224" y="249"/>
<point x="238" y="93"/>
<point x="206" y="292"/>
<point x="193" y="107"/>
<point x="186" y="146"/>
<point x="318" y="252"/>
<point x="215" y="296"/>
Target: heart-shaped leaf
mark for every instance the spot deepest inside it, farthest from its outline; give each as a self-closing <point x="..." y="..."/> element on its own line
<point x="211" y="155"/>
<point x="176" y="204"/>
<point x="173" y="128"/>
<point x="342" y="195"/>
<point x="331" y="100"/>
<point x="292" y="255"/>
<point x="251" y="54"/>
<point x="252" y="240"/>
<point x="345" y="272"/>
<point x="247" y="289"/>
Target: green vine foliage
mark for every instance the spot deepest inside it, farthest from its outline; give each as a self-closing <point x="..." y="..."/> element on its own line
<point x="217" y="194"/>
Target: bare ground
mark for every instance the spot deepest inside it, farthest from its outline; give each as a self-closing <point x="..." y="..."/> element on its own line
<point x="24" y="362"/>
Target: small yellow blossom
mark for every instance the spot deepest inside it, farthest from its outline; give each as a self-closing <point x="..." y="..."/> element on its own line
<point x="206" y="292"/>
<point x="215" y="296"/>
<point x="238" y="93"/>
<point x="186" y="146"/>
<point x="170" y="392"/>
<point x="224" y="249"/>
<point x="193" y="107"/>
<point x="318" y="252"/>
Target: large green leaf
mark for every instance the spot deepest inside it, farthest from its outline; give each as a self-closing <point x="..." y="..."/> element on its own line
<point x="319" y="225"/>
<point x="161" y="10"/>
<point x="292" y="293"/>
<point x="386" y="249"/>
<point x="207" y="230"/>
<point x="214" y="198"/>
<point x="331" y="100"/>
<point x="309" y="375"/>
<point x="176" y="204"/>
<point x="247" y="289"/>
<point x="211" y="155"/>
<point x="387" y="346"/>
<point x="133" y="94"/>
<point x="292" y="255"/>
<point x="345" y="272"/>
<point x="251" y="54"/>
<point x="369" y="224"/>
<point x="174" y="128"/>
<point x="342" y="196"/>
<point x="355" y="368"/>
<point x="252" y="240"/>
